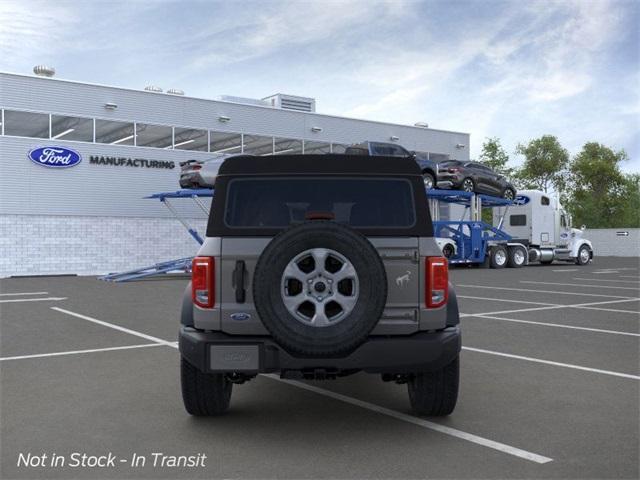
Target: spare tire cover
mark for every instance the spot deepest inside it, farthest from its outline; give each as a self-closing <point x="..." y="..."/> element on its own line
<point x="319" y="288"/>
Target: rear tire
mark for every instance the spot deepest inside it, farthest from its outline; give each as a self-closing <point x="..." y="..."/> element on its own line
<point x="204" y="394"/>
<point x="468" y="185"/>
<point x="517" y="257"/>
<point x="508" y="194"/>
<point x="435" y="393"/>
<point x="429" y="181"/>
<point x="295" y="331"/>
<point x="499" y="257"/>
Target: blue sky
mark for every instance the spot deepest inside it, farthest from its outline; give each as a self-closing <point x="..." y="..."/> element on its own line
<point x="515" y="69"/>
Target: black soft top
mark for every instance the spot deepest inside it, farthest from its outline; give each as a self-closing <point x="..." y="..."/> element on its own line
<point x="327" y="164"/>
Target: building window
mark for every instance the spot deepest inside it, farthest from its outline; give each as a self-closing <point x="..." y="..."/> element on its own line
<point x="190" y="139"/>
<point x="338" y="148"/>
<point x="316" y="148"/>
<point x="258" y="145"/>
<point x="71" y="128"/>
<point x="157" y="136"/>
<point x="115" y="133"/>
<point x="26" y="124"/>
<point x="229" y="143"/>
<point x="287" y="146"/>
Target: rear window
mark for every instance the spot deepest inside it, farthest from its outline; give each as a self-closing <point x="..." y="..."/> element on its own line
<point x="359" y="202"/>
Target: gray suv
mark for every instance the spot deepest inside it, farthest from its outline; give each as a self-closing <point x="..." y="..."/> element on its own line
<point x="317" y="267"/>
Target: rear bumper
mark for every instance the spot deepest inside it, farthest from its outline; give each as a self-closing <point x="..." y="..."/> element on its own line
<point x="219" y="352"/>
<point x="451" y="180"/>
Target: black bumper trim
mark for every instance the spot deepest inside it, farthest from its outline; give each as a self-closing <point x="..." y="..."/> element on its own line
<point x="420" y="352"/>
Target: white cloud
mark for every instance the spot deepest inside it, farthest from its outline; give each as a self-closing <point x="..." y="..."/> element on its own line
<point x="30" y="30"/>
<point x="285" y="25"/>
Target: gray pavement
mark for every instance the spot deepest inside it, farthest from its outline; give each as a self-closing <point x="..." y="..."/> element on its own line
<point x="548" y="378"/>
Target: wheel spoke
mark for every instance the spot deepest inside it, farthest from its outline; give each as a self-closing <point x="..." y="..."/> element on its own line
<point x="293" y="302"/>
<point x="346" y="271"/>
<point x="320" y="318"/>
<point x="346" y="302"/>
<point x="293" y="271"/>
<point x="319" y="257"/>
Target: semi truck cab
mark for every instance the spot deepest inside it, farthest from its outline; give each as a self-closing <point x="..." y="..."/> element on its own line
<point x="539" y="222"/>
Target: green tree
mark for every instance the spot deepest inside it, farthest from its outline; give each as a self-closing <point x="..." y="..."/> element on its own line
<point x="629" y="216"/>
<point x="495" y="157"/>
<point x="545" y="164"/>
<point x="599" y="194"/>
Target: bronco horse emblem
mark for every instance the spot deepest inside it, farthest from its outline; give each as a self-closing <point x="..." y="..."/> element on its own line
<point x="404" y="279"/>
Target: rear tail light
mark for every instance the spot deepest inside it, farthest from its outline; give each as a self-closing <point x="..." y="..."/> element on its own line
<point x="203" y="282"/>
<point x="437" y="281"/>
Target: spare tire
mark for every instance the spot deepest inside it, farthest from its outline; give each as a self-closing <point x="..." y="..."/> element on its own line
<point x="319" y="288"/>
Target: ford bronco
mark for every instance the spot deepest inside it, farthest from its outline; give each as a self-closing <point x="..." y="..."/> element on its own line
<point x="317" y="267"/>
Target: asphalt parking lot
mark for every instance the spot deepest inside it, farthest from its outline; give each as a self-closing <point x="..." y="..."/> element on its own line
<point x="549" y="387"/>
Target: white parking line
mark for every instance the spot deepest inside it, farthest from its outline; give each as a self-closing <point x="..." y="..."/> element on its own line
<point x="630" y="276"/>
<point x="115" y="327"/>
<point x="76" y="352"/>
<point x="551" y="306"/>
<point x="19" y="300"/>
<point x="507" y="300"/>
<point x="23" y="293"/>
<point x="558" y="325"/>
<point x="615" y="287"/>
<point x="557" y="364"/>
<point x="528" y="290"/>
<point x="632" y="312"/>
<point x="469" y="437"/>
<point x="605" y="280"/>
<point x="614" y="269"/>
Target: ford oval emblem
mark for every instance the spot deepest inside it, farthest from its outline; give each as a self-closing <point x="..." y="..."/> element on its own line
<point x="55" y="157"/>
<point x="240" y="316"/>
<point x="521" y="200"/>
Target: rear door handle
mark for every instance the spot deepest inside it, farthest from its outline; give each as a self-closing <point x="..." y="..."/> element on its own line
<point x="238" y="281"/>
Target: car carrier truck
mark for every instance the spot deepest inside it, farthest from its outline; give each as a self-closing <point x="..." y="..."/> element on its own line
<point x="532" y="228"/>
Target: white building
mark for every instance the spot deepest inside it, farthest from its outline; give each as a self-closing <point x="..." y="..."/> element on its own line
<point x="92" y="218"/>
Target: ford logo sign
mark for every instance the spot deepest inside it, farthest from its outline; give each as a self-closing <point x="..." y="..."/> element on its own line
<point x="521" y="200"/>
<point x="240" y="316"/>
<point x="55" y="157"/>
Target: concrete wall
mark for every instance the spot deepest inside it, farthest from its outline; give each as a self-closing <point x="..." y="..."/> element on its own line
<point x="608" y="243"/>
